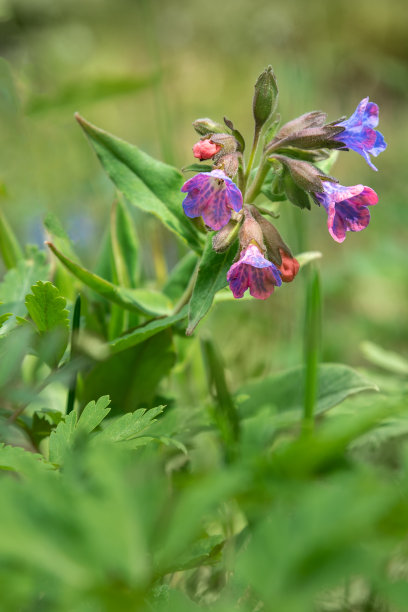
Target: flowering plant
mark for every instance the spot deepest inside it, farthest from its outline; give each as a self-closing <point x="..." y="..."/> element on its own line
<point x="289" y="162"/>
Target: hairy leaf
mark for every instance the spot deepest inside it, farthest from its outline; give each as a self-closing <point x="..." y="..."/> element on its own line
<point x="148" y="184"/>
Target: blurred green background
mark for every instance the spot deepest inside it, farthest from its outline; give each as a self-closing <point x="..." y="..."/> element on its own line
<point x="144" y="71"/>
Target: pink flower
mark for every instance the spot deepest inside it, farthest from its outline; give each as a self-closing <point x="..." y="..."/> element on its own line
<point x="289" y="267"/>
<point x="212" y="196"/>
<point x="205" y="149"/>
<point x="346" y="207"/>
<point x="255" y="272"/>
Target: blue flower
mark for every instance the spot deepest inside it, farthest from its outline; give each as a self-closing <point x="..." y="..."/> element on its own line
<point x="255" y="272"/>
<point x="359" y="133"/>
<point x="346" y="207"/>
<point x="212" y="196"/>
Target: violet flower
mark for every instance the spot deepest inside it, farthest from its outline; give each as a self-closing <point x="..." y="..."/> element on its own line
<point x="255" y="272"/>
<point x="212" y="196"/>
<point x="359" y="133"/>
<point x="346" y="207"/>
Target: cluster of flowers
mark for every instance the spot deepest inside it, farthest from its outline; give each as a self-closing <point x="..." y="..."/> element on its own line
<point x="263" y="260"/>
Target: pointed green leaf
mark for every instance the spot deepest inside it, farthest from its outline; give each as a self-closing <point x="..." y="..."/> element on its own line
<point x="130" y="425"/>
<point x="139" y="300"/>
<point x="148" y="184"/>
<point x="180" y="276"/>
<point x="285" y="391"/>
<point x="19" y="460"/>
<point x="9" y="246"/>
<point x="211" y="277"/>
<point x="93" y="414"/>
<point x="142" y="333"/>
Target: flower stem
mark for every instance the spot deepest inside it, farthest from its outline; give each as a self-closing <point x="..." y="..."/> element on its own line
<point x="257" y="183"/>
<point x="252" y="156"/>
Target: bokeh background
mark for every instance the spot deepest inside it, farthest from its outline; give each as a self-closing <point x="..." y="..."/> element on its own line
<point x="144" y="70"/>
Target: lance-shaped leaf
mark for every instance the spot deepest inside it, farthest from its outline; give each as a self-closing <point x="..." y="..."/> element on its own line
<point x="138" y="300"/>
<point x="142" y="333"/>
<point x="147" y="183"/>
<point x="285" y="390"/>
<point x="211" y="277"/>
<point x="9" y="246"/>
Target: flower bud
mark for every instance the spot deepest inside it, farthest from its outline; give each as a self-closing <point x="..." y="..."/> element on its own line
<point x="229" y="163"/>
<point x="305" y="175"/>
<point x="205" y="149"/>
<point x="207" y="126"/>
<point x="228" y="142"/>
<point x="226" y="236"/>
<point x="271" y="237"/>
<point x="265" y="97"/>
<point x="289" y="266"/>
<point x="251" y="232"/>
<point x="314" y="119"/>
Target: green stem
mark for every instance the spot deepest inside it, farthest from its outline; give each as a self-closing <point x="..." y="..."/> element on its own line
<point x="74" y="335"/>
<point x="188" y="292"/>
<point x="253" y="153"/>
<point x="312" y="341"/>
<point x="257" y="183"/>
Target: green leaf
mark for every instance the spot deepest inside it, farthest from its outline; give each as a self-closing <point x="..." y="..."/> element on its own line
<point x="46" y="307"/>
<point x="211" y="277"/>
<point x="295" y="194"/>
<point x="17" y="283"/>
<point x="131" y="377"/>
<point x="285" y="391"/>
<point x="142" y="333"/>
<point x="127" y="243"/>
<point x="17" y="459"/>
<point x="388" y="360"/>
<point x="148" y="184"/>
<point x="93" y="414"/>
<point x="226" y="414"/>
<point x="326" y="164"/>
<point x="139" y="300"/>
<point x="129" y="426"/>
<point x="308" y="257"/>
<point x="63" y="438"/>
<point x="312" y="345"/>
<point x="180" y="276"/>
<point x="9" y="246"/>
<point x="197" y="168"/>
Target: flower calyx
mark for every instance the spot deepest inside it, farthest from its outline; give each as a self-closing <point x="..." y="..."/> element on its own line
<point x="304" y="174"/>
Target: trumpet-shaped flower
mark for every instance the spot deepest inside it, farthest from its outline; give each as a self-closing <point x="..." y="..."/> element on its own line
<point x="346" y="207"/>
<point x="255" y="272"/>
<point x="212" y="196"/>
<point x="359" y="133"/>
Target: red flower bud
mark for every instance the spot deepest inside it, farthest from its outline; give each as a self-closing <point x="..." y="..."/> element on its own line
<point x="289" y="267"/>
<point x="205" y="149"/>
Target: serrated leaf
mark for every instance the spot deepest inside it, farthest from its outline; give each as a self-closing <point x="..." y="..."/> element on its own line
<point x="93" y="414"/>
<point x="211" y="277"/>
<point x="17" y="283"/>
<point x="46" y="307"/>
<point x="139" y="300"/>
<point x="129" y="426"/>
<point x="19" y="460"/>
<point x="63" y="438"/>
<point x="285" y="391"/>
<point x="148" y="184"/>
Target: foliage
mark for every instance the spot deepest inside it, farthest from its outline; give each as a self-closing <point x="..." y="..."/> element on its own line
<point x="124" y="487"/>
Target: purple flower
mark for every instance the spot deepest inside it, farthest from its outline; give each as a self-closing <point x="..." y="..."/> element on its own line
<point x="346" y="208"/>
<point x="212" y="196"/>
<point x="255" y="272"/>
<point x="360" y="135"/>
